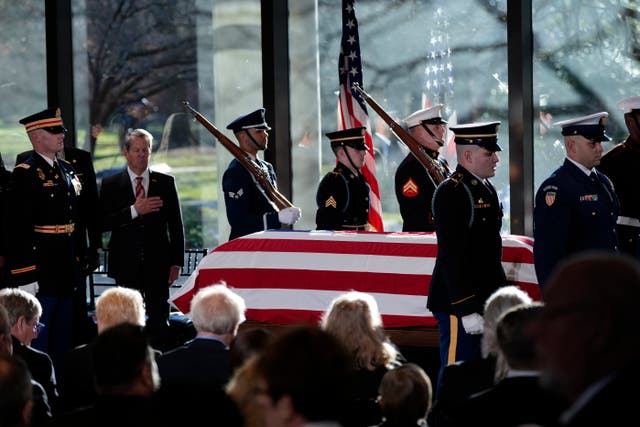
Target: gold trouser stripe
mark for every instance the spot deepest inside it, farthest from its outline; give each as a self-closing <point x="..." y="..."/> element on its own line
<point x="453" y="340"/>
<point x="23" y="270"/>
<point x="54" y="229"/>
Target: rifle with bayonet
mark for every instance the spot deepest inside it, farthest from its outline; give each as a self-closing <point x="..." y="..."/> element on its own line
<point x="435" y="170"/>
<point x="277" y="199"/>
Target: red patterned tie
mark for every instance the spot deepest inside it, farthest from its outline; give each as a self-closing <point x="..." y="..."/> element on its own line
<point x="139" y="187"/>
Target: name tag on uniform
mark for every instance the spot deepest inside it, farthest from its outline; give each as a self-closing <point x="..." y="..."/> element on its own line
<point x="589" y="198"/>
<point x="48" y="183"/>
<point x="480" y="204"/>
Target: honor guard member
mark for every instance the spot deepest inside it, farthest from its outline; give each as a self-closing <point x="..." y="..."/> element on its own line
<point x="343" y="194"/>
<point x="576" y="208"/>
<point x="249" y="209"/>
<point x="468" y="267"/>
<point x="41" y="228"/>
<point x="414" y="183"/>
<point x="620" y="164"/>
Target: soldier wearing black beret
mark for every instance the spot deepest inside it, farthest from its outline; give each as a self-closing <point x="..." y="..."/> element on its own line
<point x="343" y="194"/>
<point x="41" y="228"/>
<point x="468" y="218"/>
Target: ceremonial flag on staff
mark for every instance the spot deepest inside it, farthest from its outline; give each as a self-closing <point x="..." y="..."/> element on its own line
<point x="352" y="111"/>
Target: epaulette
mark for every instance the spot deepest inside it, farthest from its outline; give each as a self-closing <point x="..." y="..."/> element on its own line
<point x="23" y="166"/>
<point x="457" y="178"/>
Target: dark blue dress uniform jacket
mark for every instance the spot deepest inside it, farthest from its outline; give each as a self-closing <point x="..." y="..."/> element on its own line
<point x="573" y="213"/>
<point x="343" y="200"/>
<point x="248" y="208"/>
<point x="620" y="164"/>
<point x="414" y="191"/>
<point x="468" y="267"/>
<point x="41" y="195"/>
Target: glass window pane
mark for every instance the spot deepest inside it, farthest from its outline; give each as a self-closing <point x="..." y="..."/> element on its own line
<point x="23" y="73"/>
<point x="136" y="62"/>
<point x="414" y="54"/>
<point x="585" y="61"/>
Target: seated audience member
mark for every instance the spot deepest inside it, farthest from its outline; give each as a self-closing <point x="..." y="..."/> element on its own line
<point x="24" y="312"/>
<point x="246" y="344"/>
<point x="353" y="318"/>
<point x="114" y="306"/>
<point x="518" y="398"/>
<point x="405" y="396"/>
<point x="304" y="375"/>
<point x="125" y="375"/>
<point x="41" y="411"/>
<point x="243" y="389"/>
<point x="462" y="379"/>
<point x="587" y="338"/>
<point x="216" y="312"/>
<point x="16" y="399"/>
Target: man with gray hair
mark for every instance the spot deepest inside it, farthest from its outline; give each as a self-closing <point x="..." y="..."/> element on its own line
<point x="141" y="209"/>
<point x="114" y="306"/>
<point x="216" y="312"/>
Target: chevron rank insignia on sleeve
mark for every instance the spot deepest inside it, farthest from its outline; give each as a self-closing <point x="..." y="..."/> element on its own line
<point x="330" y="202"/>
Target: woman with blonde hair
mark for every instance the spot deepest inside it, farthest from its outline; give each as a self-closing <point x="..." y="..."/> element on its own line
<point x="354" y="319"/>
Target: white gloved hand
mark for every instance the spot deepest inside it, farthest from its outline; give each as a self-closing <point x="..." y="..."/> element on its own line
<point x="31" y="288"/>
<point x="473" y="323"/>
<point x="289" y="215"/>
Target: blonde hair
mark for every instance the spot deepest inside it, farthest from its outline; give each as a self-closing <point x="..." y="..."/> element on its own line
<point x="353" y="318"/>
<point x="119" y="305"/>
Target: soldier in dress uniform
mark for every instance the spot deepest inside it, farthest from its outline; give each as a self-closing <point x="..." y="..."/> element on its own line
<point x="343" y="194"/>
<point x="248" y="207"/>
<point x="41" y="230"/>
<point x="414" y="184"/>
<point x="576" y="208"/>
<point x="468" y="268"/>
<point x="620" y="165"/>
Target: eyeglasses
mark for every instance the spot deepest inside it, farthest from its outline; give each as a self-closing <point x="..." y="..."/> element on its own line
<point x="38" y="327"/>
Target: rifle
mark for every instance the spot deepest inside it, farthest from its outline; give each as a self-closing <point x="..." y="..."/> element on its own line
<point x="277" y="199"/>
<point x="434" y="168"/>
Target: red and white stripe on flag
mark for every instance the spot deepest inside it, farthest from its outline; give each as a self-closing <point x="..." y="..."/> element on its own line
<point x="290" y="277"/>
<point x="352" y="111"/>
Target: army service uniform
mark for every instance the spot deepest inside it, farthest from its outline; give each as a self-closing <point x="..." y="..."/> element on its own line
<point x="343" y="200"/>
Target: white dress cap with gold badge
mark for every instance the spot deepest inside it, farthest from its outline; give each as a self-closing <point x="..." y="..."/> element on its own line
<point x="429" y="116"/>
<point x="630" y="104"/>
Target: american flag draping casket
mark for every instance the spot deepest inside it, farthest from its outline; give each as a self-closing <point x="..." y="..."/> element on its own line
<point x="290" y="277"/>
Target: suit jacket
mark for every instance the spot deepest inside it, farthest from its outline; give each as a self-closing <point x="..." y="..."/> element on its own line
<point x="468" y="267"/>
<point x="40" y="366"/>
<point x="248" y="209"/>
<point x="147" y="246"/>
<point x="42" y="195"/>
<point x="202" y="362"/>
<point x="572" y="213"/>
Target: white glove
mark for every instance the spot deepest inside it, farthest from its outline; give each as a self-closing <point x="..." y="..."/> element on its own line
<point x="31" y="288"/>
<point x="473" y="323"/>
<point x="289" y="215"/>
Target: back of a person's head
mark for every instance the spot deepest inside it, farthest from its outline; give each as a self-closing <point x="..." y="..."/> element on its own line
<point x="355" y="320"/>
<point x="405" y="395"/>
<point x="119" y="305"/>
<point x="311" y="367"/>
<point x="603" y="289"/>
<point x="498" y="302"/>
<point x="20" y="303"/>
<point x="247" y="343"/>
<point x="514" y="341"/>
<point x="16" y="392"/>
<point x="217" y="309"/>
<point x="6" y="343"/>
<point x="120" y="353"/>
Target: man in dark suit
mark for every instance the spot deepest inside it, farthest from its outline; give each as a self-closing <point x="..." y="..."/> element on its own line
<point x="576" y="208"/>
<point x="141" y="209"/>
<point x="248" y="207"/>
<point x="204" y="361"/>
<point x="41" y="226"/>
<point x="468" y="268"/>
<point x="89" y="235"/>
